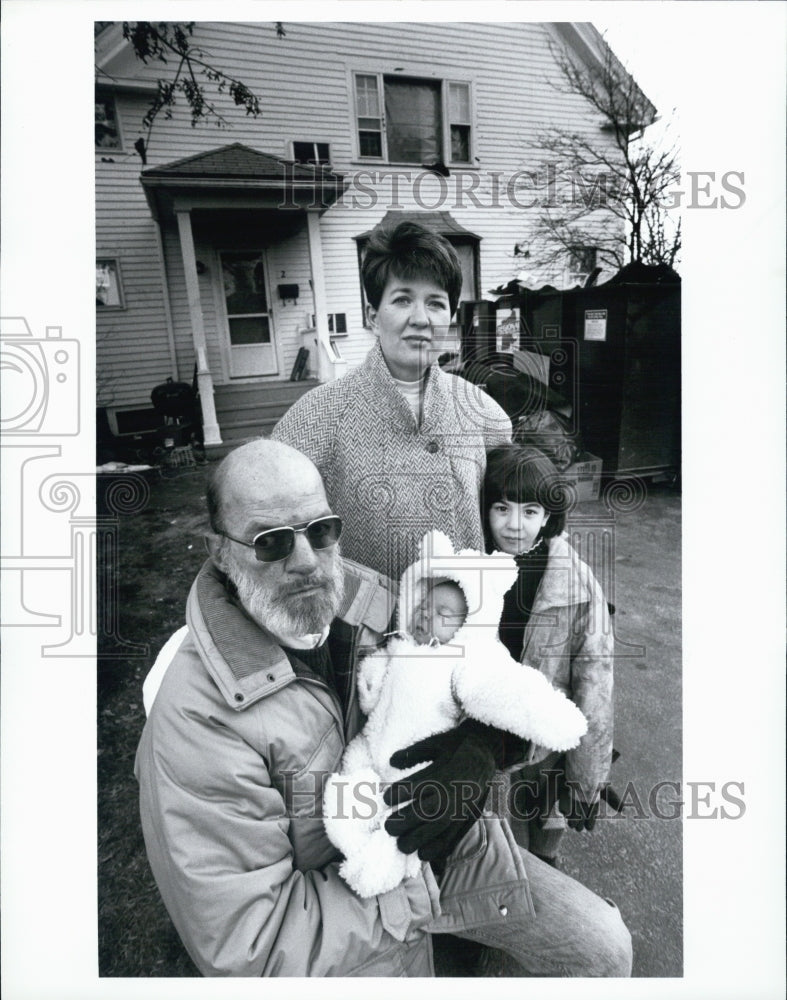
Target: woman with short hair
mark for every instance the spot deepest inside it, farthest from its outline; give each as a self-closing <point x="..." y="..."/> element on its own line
<point x="400" y="443"/>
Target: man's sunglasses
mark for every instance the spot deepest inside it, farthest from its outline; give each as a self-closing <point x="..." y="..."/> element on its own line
<point x="276" y="544"/>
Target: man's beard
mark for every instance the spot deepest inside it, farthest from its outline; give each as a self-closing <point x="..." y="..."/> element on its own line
<point x="281" y="609"/>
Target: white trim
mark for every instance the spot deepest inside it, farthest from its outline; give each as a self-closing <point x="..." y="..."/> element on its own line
<point x="319" y="298"/>
<point x="447" y="122"/>
<point x="356" y="139"/>
<point x="210" y="423"/>
<point x="434" y="69"/>
<point x="109" y="43"/>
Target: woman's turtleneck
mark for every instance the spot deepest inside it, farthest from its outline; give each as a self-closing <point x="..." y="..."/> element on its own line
<point x="519" y="600"/>
<point x="413" y="393"/>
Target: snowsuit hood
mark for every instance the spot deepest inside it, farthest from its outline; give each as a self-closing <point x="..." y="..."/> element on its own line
<point x="484" y="580"/>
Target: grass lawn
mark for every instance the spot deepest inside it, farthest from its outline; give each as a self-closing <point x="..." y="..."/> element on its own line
<point x="159" y="552"/>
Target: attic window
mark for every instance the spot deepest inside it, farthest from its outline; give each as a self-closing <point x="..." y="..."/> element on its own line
<point x="317" y="153"/>
<point x="106" y="122"/>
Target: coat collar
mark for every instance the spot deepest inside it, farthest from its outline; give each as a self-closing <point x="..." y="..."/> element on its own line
<point x="246" y="662"/>
<point x="374" y="364"/>
<point x="565" y="579"/>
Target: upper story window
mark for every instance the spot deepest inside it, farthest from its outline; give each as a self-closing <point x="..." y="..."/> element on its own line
<point x="106" y="122"/>
<point x="407" y="120"/>
<point x="318" y="153"/>
<point x="109" y="291"/>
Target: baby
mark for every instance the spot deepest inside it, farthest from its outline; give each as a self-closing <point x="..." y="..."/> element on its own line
<point x="440" y="613"/>
<point x="445" y="663"/>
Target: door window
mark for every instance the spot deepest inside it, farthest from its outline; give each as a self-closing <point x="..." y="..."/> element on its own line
<point x="243" y="274"/>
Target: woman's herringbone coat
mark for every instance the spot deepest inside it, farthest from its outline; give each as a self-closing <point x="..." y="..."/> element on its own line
<point x="388" y="477"/>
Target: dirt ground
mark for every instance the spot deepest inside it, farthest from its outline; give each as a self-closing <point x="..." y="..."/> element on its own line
<point x="153" y="549"/>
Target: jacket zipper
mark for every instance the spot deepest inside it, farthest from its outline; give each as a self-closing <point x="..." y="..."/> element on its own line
<point x="334" y="698"/>
<point x="353" y="684"/>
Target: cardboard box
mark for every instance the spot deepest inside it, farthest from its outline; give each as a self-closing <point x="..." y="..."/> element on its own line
<point x="585" y="476"/>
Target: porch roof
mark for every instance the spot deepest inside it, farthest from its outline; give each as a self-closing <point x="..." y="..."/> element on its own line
<point x="237" y="167"/>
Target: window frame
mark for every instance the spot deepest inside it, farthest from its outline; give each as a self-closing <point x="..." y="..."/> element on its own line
<point x="576" y="274"/>
<point x="268" y="314"/>
<point x="334" y="323"/>
<point x="121" y="304"/>
<point x="447" y="121"/>
<point x="445" y="115"/>
<point x="106" y="95"/>
<point x="313" y="143"/>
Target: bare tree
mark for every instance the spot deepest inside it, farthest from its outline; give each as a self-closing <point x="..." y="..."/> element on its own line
<point x="171" y="43"/>
<point x="608" y="187"/>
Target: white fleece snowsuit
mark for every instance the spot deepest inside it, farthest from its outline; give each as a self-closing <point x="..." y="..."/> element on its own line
<point x="410" y="691"/>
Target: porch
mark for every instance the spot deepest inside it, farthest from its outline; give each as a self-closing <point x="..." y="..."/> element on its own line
<point x="241" y="260"/>
<point x="247" y="411"/>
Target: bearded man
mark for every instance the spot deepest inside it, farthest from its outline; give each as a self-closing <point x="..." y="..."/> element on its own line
<point x="249" y="709"/>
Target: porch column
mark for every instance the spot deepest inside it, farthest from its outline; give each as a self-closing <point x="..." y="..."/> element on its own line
<point x="324" y="367"/>
<point x="210" y="424"/>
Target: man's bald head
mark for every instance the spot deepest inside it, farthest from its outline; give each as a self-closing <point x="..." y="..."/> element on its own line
<point x="260" y="486"/>
<point x="264" y="472"/>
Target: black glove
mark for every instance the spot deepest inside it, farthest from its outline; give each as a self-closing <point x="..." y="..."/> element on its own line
<point x="580" y="815"/>
<point x="444" y="799"/>
<point x="611" y="797"/>
<point x="536" y="798"/>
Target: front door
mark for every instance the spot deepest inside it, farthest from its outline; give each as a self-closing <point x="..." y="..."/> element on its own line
<point x="252" y="349"/>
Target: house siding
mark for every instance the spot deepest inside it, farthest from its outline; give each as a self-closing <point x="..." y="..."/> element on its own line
<point x="304" y="85"/>
<point x="132" y="345"/>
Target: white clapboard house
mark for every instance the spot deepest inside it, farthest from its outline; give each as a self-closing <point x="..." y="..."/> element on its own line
<point x="231" y="248"/>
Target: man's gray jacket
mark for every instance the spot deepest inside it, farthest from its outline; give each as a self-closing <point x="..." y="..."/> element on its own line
<point x="231" y="766"/>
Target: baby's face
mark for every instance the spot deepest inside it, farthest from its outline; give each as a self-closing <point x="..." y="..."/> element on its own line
<point x="440" y="614"/>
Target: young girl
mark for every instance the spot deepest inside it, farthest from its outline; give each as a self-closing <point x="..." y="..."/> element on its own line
<point x="556" y="619"/>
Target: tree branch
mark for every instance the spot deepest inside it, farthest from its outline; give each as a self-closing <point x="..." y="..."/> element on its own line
<point x="155" y="42"/>
<point x="624" y="178"/>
